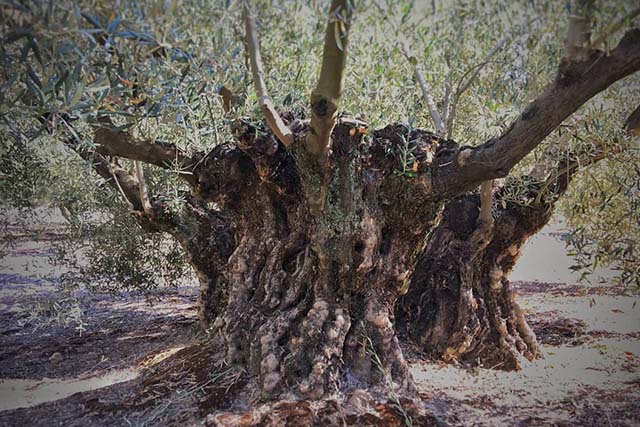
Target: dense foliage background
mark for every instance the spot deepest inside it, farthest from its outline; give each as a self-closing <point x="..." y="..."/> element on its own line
<point x="157" y="66"/>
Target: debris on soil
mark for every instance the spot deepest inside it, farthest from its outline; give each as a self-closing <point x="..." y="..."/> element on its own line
<point x="557" y="331"/>
<point x="330" y="412"/>
<point x="56" y="357"/>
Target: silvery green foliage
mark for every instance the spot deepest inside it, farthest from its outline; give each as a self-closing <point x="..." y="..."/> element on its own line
<point x="156" y="67"/>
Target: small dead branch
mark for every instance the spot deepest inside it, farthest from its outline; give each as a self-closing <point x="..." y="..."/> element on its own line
<point x="274" y="121"/>
<point x="426" y="91"/>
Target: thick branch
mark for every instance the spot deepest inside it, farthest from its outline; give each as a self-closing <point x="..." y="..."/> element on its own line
<point x="575" y="84"/>
<point x="325" y="98"/>
<point x="117" y="177"/>
<point x="274" y="121"/>
<point x="118" y="143"/>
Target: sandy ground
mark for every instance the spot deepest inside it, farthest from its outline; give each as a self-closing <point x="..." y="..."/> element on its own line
<point x="55" y="362"/>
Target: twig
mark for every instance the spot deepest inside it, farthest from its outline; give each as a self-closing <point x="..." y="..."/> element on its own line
<point x="446" y="109"/>
<point x="144" y="193"/>
<point x="463" y="87"/>
<point x="426" y="91"/>
<point x="571" y="167"/>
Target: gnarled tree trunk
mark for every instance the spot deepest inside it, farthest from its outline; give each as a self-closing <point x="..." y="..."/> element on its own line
<point x="460" y="306"/>
<point x="305" y="301"/>
<point x="304" y="245"/>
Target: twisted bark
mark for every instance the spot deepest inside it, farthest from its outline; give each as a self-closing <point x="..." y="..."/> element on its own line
<point x="460" y="306"/>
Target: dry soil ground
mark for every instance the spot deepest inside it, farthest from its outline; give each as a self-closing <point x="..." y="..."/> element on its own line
<point x="66" y="361"/>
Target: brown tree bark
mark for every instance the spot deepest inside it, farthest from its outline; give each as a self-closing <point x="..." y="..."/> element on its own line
<point x="460" y="306"/>
<point x="305" y="300"/>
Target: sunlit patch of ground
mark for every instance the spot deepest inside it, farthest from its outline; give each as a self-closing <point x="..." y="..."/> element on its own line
<point x="25" y="393"/>
<point x="551" y="388"/>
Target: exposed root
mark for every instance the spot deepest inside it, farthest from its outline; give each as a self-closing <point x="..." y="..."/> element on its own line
<point x="357" y="408"/>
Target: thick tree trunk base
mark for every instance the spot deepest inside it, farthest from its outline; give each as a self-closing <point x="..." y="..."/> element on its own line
<point x="358" y="408"/>
<point x="460" y="306"/>
<point x="225" y="395"/>
<point x="304" y="303"/>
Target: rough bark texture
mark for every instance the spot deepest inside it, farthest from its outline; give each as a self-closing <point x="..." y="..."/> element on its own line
<point x="302" y="258"/>
<point x="303" y="297"/>
<point x="460" y="306"/>
<point x="576" y="82"/>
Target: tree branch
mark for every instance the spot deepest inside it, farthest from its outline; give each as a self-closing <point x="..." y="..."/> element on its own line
<point x="463" y="87"/>
<point x="114" y="142"/>
<point x="116" y="176"/>
<point x="144" y="193"/>
<point x="274" y="121"/>
<point x="325" y="98"/>
<point x="600" y="39"/>
<point x="446" y="105"/>
<point x="575" y="84"/>
<point x="558" y="182"/>
<point x="549" y="158"/>
<point x="578" y="42"/>
<point x="426" y="91"/>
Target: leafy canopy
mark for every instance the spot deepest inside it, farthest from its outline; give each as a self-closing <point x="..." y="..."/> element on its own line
<point x="157" y="67"/>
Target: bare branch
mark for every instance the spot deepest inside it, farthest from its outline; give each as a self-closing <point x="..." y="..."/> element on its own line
<point x="274" y="121"/>
<point x="558" y="181"/>
<point x="549" y="157"/>
<point x="118" y="143"/>
<point x="463" y="85"/>
<point x="462" y="88"/>
<point x="116" y="176"/>
<point x="486" y="203"/>
<point x="325" y="98"/>
<point x="426" y="91"/>
<point x="446" y="109"/>
<point x="144" y="193"/>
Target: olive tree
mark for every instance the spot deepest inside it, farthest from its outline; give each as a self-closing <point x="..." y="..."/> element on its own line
<point x="317" y="238"/>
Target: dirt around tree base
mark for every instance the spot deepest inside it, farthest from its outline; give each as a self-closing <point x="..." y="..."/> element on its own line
<point x="137" y="403"/>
